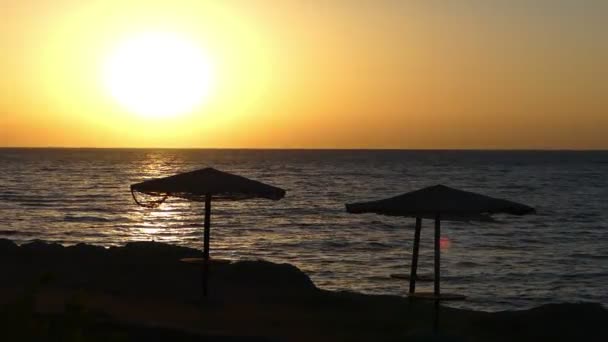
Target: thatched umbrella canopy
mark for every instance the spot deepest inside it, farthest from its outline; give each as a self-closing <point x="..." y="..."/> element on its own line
<point x="197" y="185"/>
<point x="449" y="202"/>
<point x="204" y="185"/>
<point x="438" y="202"/>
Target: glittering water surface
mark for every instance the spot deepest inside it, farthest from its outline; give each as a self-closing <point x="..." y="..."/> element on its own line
<point x="560" y="254"/>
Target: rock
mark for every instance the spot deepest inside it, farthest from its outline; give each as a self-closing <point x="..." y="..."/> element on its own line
<point x="42" y="247"/>
<point x="268" y="277"/>
<point x="8" y="247"/>
<point x="84" y="250"/>
<point x="151" y="252"/>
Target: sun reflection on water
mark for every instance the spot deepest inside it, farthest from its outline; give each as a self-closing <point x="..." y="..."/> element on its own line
<point x="174" y="221"/>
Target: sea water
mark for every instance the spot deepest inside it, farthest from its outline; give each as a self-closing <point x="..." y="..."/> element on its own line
<point x="558" y="255"/>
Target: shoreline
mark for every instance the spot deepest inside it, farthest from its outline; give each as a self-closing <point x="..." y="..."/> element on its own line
<point x="144" y="284"/>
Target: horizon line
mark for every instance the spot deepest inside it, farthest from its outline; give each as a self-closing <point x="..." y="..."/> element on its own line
<point x="309" y="149"/>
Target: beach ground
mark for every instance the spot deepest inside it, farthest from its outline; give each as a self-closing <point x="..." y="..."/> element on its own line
<point x="143" y="291"/>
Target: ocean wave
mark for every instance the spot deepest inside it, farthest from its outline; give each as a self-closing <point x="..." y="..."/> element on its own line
<point x="378" y="244"/>
<point x="586" y="275"/>
<point x="88" y="234"/>
<point x="523" y="188"/>
<point x="12" y="233"/>
<point x="336" y="244"/>
<point x="38" y="204"/>
<point x="468" y="264"/>
<point x="73" y="218"/>
<point x="588" y="256"/>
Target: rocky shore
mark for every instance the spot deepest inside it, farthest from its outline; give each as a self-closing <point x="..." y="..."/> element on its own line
<point x="143" y="291"/>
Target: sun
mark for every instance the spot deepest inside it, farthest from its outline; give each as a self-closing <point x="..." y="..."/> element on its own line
<point x="158" y="74"/>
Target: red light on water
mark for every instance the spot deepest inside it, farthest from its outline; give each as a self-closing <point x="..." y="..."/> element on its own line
<point x="444" y="242"/>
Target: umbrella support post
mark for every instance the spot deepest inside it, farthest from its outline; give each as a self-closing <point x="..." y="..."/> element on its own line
<point x="437" y="289"/>
<point x="205" y="277"/>
<point x="436" y="317"/>
<point x="415" y="255"/>
<point x="206" y="238"/>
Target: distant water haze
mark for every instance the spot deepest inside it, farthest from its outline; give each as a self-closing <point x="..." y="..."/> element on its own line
<point x="559" y="255"/>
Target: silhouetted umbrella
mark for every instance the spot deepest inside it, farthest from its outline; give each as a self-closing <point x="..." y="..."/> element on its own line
<point x="204" y="185"/>
<point x="438" y="202"/>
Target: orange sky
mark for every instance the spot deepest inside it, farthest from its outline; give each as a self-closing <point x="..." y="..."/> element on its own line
<point x="302" y="74"/>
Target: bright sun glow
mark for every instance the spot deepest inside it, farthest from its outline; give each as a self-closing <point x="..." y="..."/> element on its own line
<point x="158" y="74"/>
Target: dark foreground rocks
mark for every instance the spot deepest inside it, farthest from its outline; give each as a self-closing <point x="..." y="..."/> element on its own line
<point x="144" y="292"/>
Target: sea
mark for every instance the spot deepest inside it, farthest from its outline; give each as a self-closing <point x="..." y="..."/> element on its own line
<point x="560" y="254"/>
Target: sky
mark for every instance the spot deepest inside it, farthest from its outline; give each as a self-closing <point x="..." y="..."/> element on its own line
<point x="312" y="74"/>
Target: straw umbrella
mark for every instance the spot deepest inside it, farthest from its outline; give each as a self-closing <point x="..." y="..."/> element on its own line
<point x="205" y="185"/>
<point x="438" y="202"/>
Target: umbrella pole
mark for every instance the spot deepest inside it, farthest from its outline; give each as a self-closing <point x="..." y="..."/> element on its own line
<point x="415" y="255"/>
<point x="206" y="235"/>
<point x="437" y="290"/>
